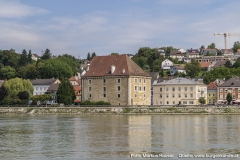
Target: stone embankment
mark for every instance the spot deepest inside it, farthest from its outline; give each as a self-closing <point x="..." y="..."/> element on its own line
<point x="120" y="110"/>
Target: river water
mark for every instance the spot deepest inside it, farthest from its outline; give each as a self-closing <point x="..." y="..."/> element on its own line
<point x="119" y="136"/>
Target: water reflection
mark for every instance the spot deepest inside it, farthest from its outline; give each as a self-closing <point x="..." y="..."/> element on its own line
<point x="116" y="136"/>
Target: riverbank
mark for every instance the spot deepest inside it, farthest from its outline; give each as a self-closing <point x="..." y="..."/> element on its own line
<point x="119" y="110"/>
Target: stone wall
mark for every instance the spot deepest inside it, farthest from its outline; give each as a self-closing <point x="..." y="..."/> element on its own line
<point x="119" y="110"/>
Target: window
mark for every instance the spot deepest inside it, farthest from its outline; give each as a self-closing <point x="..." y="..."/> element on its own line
<point x="118" y="80"/>
<point x="104" y="95"/>
<point x="40" y="88"/>
<point x="140" y="88"/>
<point x="144" y="80"/>
<point x="221" y="90"/>
<point x="167" y="102"/>
<point x="191" y="95"/>
<point x="173" y="95"/>
<point x="209" y="101"/>
<point x="118" y="88"/>
<point x="144" y="88"/>
<point x="104" y="80"/>
<point x="226" y="90"/>
<point x="160" y="89"/>
<point x="144" y="96"/>
<point x="135" y="88"/>
<point x="185" y="88"/>
<point x="179" y="95"/>
<point x="90" y="95"/>
<point x="185" y="95"/>
<point x="191" y="102"/>
<point x="135" y="80"/>
<point x="179" y="88"/>
<point x="184" y="102"/>
<point x="173" y="89"/>
<point x="104" y="89"/>
<point x="191" y="88"/>
<point x="89" y="81"/>
<point x="160" y="95"/>
<point x="140" y="80"/>
<point x="209" y="95"/>
<point x="173" y="102"/>
<point x="36" y="88"/>
<point x="119" y="95"/>
<point x="167" y="95"/>
<point x="166" y="88"/>
<point x="89" y="89"/>
<point x="135" y="95"/>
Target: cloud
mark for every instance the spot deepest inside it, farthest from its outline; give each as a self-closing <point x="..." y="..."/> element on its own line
<point x="15" y="9"/>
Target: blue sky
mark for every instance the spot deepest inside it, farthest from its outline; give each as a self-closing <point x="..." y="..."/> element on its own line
<point x="77" y="27"/>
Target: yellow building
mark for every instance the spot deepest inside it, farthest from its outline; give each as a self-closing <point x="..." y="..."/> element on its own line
<point x="116" y="79"/>
<point x="178" y="91"/>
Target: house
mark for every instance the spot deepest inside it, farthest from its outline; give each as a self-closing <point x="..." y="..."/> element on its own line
<point x="76" y="83"/>
<point x="207" y="51"/>
<point x="231" y="86"/>
<point x="41" y="85"/>
<point x="177" y="54"/>
<point x="52" y="90"/>
<point x="116" y="79"/>
<point x="205" y="65"/>
<point x="192" y="53"/>
<point x="166" y="64"/>
<point x="219" y="64"/>
<point x="175" y="69"/>
<point x="181" y="50"/>
<point x="212" y="58"/>
<point x="35" y="57"/>
<point x="212" y="91"/>
<point x="154" y="77"/>
<point x="187" y="60"/>
<point x="227" y="52"/>
<point x="178" y="91"/>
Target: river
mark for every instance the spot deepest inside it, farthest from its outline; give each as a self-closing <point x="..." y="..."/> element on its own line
<point x="119" y="136"/>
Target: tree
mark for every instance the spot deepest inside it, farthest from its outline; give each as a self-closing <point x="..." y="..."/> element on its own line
<point x="14" y="86"/>
<point x="201" y="48"/>
<point x="23" y="95"/>
<point x="236" y="46"/>
<point x="202" y="100"/>
<point x="88" y="56"/>
<point x="212" y="46"/>
<point x="93" y="55"/>
<point x="228" y="64"/>
<point x="47" y="54"/>
<point x="229" y="98"/>
<point x="23" y="58"/>
<point x="7" y="72"/>
<point x="193" y="68"/>
<point x="3" y="93"/>
<point x="29" y="56"/>
<point x="65" y="93"/>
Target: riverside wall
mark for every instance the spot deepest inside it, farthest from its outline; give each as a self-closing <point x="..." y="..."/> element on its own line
<point x="212" y="110"/>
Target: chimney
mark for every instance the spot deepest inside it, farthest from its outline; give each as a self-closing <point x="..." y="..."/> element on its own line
<point x="88" y="67"/>
<point x="112" y="69"/>
<point x="123" y="70"/>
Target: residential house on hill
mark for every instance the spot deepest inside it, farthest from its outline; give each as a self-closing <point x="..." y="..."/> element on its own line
<point x="175" y="69"/>
<point x="205" y="65"/>
<point x="192" y="53"/>
<point x="35" y="57"/>
<point x="41" y="85"/>
<point x="177" y="54"/>
<point x="166" y="64"/>
<point x="181" y="50"/>
<point x="231" y="86"/>
<point x="52" y="90"/>
<point x="178" y="91"/>
<point x="208" y="51"/>
<point x="227" y="52"/>
<point x="219" y="64"/>
<point x="76" y="83"/>
<point x="116" y="79"/>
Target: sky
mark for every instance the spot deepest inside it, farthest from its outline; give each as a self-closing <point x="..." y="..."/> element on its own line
<point x="77" y="27"/>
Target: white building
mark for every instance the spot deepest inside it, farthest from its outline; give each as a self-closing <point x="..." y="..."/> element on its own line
<point x="166" y="64"/>
<point x="41" y="85"/>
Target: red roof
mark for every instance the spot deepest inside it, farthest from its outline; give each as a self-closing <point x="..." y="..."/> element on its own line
<point x="76" y="88"/>
<point x="205" y="64"/>
<point x="124" y="66"/>
<point x="212" y="86"/>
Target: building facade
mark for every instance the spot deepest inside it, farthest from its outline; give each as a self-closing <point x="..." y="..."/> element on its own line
<point x="116" y="79"/>
<point x="41" y="85"/>
<point x="178" y="91"/>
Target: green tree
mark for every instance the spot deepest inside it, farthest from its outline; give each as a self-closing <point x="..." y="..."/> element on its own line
<point x="14" y="86"/>
<point x="93" y="55"/>
<point x="202" y="100"/>
<point x="236" y="46"/>
<point x="88" y="56"/>
<point x="29" y="56"/>
<point x="71" y="61"/>
<point x="201" y="48"/>
<point x="237" y="63"/>
<point x="9" y="58"/>
<point x="3" y="92"/>
<point x="65" y="93"/>
<point x="193" y="68"/>
<point x="23" y="95"/>
<point x="47" y="54"/>
<point x="212" y="46"/>
<point x="228" y="64"/>
<point x="29" y="71"/>
<point x="114" y="53"/>
<point x="23" y="58"/>
<point x="7" y="72"/>
<point x="229" y="98"/>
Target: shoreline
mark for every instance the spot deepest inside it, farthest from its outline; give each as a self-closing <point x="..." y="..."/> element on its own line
<point x="121" y="110"/>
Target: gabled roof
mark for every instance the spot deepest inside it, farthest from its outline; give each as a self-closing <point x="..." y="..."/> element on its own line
<point x="205" y="64"/>
<point x="76" y="79"/>
<point x="43" y="81"/>
<point x="124" y="66"/>
<point x="76" y="88"/>
<point x="227" y="50"/>
<point x="232" y="82"/>
<point x="219" y="63"/>
<point x="53" y="87"/>
<point x="192" y="51"/>
<point x="179" y="81"/>
<point x="212" y="86"/>
<point x="176" y="53"/>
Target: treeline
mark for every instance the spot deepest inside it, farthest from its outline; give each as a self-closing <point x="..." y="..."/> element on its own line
<point x="47" y="66"/>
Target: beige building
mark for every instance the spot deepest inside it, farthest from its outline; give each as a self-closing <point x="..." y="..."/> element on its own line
<point x="179" y="91"/>
<point x="116" y="79"/>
